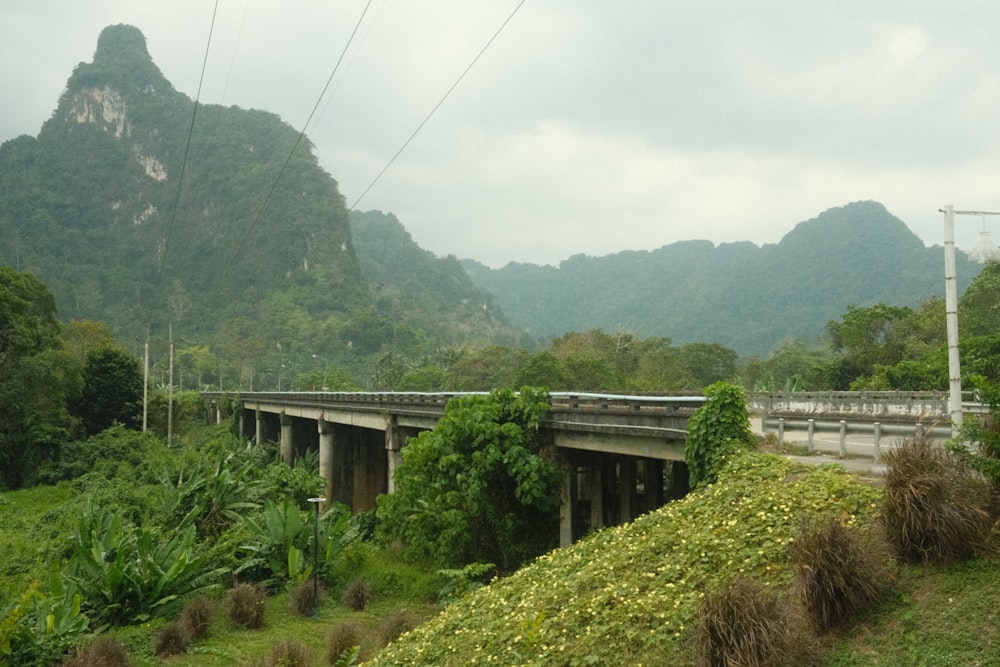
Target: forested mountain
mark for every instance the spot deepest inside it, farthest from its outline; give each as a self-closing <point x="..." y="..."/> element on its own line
<point x="744" y="297"/>
<point x="138" y="210"/>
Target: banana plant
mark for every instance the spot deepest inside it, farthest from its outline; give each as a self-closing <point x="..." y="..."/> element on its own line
<point x="128" y="574"/>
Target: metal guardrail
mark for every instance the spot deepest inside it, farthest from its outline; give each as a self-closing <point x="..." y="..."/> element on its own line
<point x="649" y="416"/>
<point x="875" y="429"/>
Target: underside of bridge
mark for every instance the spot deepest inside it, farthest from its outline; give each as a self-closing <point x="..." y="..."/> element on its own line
<point x="602" y="488"/>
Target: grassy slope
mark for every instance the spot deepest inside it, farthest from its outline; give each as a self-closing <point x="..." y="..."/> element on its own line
<point x="628" y="595"/>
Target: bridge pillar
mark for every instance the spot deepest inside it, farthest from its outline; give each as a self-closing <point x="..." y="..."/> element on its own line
<point x="394" y="439"/>
<point x="567" y="509"/>
<point x="259" y="433"/>
<point x="627" y="494"/>
<point x="653" y="483"/>
<point x="594" y="489"/>
<point x="326" y="455"/>
<point x="287" y="452"/>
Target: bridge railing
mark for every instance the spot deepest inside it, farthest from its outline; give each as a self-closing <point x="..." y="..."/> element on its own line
<point x="571" y="410"/>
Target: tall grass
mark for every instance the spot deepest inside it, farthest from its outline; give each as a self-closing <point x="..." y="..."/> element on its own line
<point x="841" y="573"/>
<point x="935" y="507"/>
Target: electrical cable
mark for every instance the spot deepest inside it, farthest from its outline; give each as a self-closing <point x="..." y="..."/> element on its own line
<point x="436" y="106"/>
<point x="187" y="147"/>
<point x="274" y="185"/>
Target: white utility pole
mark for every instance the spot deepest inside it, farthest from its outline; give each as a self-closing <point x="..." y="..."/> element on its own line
<point x="951" y="313"/>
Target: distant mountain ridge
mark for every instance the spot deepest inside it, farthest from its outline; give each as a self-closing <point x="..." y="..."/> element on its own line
<point x="745" y="297"/>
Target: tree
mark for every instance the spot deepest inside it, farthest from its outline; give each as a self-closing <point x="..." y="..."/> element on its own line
<point x="36" y="377"/>
<point x="112" y="390"/>
<point x="979" y="307"/>
<point x="479" y="487"/>
<point x="864" y="338"/>
<point x="709" y="362"/>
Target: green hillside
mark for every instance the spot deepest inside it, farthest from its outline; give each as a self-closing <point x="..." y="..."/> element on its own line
<point x="736" y="294"/>
<point x="143" y="210"/>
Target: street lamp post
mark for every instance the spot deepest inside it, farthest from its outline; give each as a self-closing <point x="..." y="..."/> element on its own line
<point x="951" y="313"/>
<point x="316" y="502"/>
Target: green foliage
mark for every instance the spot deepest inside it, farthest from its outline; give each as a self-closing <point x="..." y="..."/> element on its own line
<point x="129" y="574"/>
<point x="477" y="487"/>
<point x="104" y="453"/>
<point x="979" y="307"/>
<point x="717" y="430"/>
<point x="36" y="379"/>
<point x="281" y="534"/>
<point x="935" y="507"/>
<point x="463" y="581"/>
<point x="112" y="390"/>
<point x="979" y="441"/>
<point x="9" y="624"/>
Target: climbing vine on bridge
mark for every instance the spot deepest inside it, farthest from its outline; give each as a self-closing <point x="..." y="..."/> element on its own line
<point x="717" y="429"/>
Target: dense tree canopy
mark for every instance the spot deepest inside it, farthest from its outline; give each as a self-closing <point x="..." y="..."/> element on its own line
<point x="36" y="377"/>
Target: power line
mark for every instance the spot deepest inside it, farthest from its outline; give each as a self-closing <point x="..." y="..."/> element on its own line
<point x="436" y="106"/>
<point x="187" y="146"/>
<point x="298" y="140"/>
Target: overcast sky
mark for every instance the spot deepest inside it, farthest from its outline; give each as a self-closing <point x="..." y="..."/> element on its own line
<point x="588" y="126"/>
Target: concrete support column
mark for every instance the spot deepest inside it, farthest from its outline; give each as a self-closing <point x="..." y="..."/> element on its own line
<point x="259" y="435"/>
<point x="627" y="496"/>
<point x="567" y="509"/>
<point x="394" y="439"/>
<point x="287" y="450"/>
<point x="595" y="492"/>
<point x="326" y="456"/>
<point x="654" y="483"/>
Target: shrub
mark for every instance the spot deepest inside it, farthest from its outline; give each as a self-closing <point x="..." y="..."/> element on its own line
<point x="103" y="651"/>
<point x="934" y="508"/>
<point x="303" y="598"/>
<point x="840" y="573"/>
<point x="747" y="624"/>
<point x="356" y="594"/>
<point x="290" y="653"/>
<point x="196" y="616"/>
<point x="395" y="626"/>
<point x="172" y="639"/>
<point x="341" y="639"/>
<point x="245" y="604"/>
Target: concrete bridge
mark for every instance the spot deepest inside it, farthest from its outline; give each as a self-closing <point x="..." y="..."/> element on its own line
<point x="621" y="453"/>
